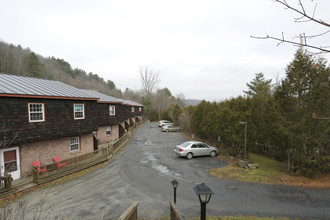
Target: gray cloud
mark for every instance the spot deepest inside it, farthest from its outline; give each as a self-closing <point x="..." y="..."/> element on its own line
<point x="202" y="48"/>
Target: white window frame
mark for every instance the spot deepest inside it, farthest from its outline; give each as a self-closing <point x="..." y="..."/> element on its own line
<point x="75" y="143"/>
<point x="132" y="109"/>
<point x="112" y="110"/>
<point x="74" y="111"/>
<point x="38" y="112"/>
<point x="108" y="129"/>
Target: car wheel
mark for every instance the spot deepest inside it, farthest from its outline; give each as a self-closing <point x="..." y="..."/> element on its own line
<point x="166" y="130"/>
<point x="213" y="153"/>
<point x="179" y="130"/>
<point x="189" y="156"/>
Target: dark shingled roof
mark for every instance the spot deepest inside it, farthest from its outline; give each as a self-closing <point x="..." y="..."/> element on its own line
<point x="20" y="86"/>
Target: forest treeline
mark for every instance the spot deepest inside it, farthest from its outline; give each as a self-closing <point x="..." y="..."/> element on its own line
<point x="288" y="120"/>
<point x="24" y="62"/>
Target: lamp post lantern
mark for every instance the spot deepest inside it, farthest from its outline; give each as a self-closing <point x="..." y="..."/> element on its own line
<point x="244" y="123"/>
<point x="175" y="185"/>
<point x="204" y="194"/>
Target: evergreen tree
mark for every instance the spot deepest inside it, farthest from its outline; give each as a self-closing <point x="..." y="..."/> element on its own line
<point x="10" y="63"/>
<point x="258" y="86"/>
<point x="260" y="99"/>
<point x="304" y="90"/>
<point x="33" y="66"/>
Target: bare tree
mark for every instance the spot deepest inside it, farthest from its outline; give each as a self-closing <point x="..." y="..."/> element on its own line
<point x="304" y="17"/>
<point x="184" y="121"/>
<point x="149" y="79"/>
<point x="162" y="100"/>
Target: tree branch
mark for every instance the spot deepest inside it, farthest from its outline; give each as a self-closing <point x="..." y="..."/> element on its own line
<point x="302" y="12"/>
<point x="283" y="40"/>
<point x="317" y="35"/>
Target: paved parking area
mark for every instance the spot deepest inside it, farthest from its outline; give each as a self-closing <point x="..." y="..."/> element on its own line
<point x="143" y="172"/>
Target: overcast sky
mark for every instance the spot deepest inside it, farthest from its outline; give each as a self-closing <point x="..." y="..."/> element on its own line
<point x="201" y="48"/>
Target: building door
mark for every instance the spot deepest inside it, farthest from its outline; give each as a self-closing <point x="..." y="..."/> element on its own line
<point x="95" y="143"/>
<point x="10" y="162"/>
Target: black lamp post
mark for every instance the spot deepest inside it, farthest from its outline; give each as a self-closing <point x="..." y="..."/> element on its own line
<point x="204" y="193"/>
<point x="175" y="185"/>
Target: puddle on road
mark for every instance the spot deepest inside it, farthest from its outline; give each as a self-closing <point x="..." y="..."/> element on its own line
<point x="151" y="159"/>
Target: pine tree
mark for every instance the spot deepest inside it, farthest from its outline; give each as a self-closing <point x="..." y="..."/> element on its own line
<point x="32" y="64"/>
<point x="304" y="90"/>
<point x="261" y="109"/>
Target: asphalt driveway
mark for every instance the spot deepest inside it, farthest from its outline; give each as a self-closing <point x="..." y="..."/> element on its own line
<point x="143" y="172"/>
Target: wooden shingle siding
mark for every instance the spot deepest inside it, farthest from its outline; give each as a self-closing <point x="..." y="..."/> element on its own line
<point x="136" y="112"/>
<point x="59" y="119"/>
<point x="104" y="118"/>
<point x="123" y="109"/>
<point x="126" y="110"/>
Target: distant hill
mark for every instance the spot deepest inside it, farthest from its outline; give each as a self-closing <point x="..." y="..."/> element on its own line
<point x="192" y="102"/>
<point x="16" y="60"/>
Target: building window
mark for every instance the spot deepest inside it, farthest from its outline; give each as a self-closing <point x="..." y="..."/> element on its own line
<point x="112" y="109"/>
<point x="79" y="111"/>
<point x="74" y="144"/>
<point x="36" y="112"/>
<point x="132" y="109"/>
<point x="140" y="109"/>
<point x="108" y="132"/>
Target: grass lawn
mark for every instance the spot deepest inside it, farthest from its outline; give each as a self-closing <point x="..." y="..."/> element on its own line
<point x="269" y="172"/>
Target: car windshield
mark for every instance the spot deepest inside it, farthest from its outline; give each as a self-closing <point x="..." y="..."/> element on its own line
<point x="185" y="144"/>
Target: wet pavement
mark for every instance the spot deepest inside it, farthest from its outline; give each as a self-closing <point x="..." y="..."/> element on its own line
<point x="143" y="172"/>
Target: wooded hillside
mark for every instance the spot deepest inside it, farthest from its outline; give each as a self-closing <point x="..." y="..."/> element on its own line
<point x="24" y="62"/>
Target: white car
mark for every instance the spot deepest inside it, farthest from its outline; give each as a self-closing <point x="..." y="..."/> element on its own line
<point x="163" y="122"/>
<point x="191" y="149"/>
<point x="171" y="127"/>
<point x="166" y="124"/>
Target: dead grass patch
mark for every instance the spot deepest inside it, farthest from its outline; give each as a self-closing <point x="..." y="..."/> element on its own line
<point x="269" y="172"/>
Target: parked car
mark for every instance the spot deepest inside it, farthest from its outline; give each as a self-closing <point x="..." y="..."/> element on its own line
<point x="191" y="149"/>
<point x="166" y="124"/>
<point x="172" y="127"/>
<point x="162" y="122"/>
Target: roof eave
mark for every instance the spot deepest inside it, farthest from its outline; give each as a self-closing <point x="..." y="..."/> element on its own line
<point x="109" y="102"/>
<point x="47" y="97"/>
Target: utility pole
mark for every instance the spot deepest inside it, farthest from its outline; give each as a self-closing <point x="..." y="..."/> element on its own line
<point x="302" y="38"/>
<point x="244" y="123"/>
